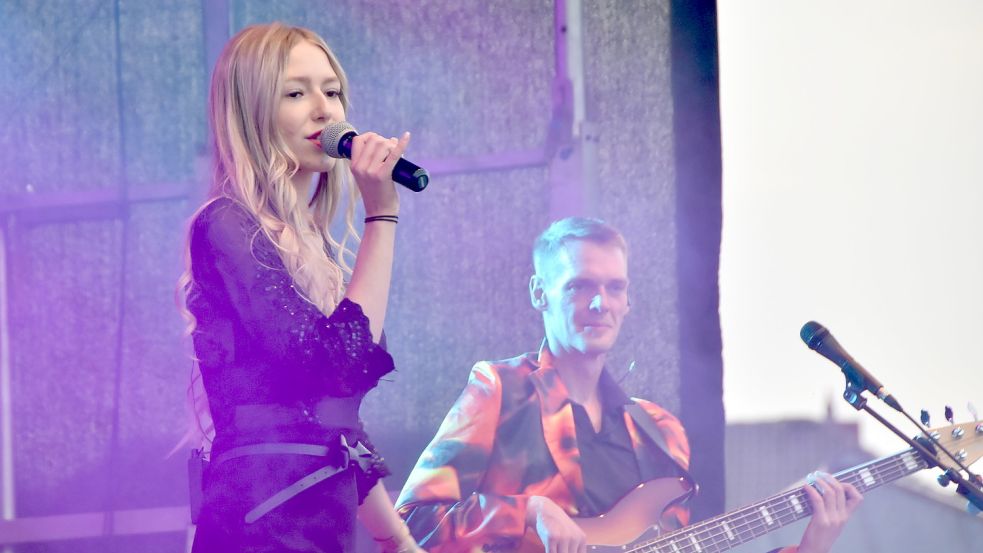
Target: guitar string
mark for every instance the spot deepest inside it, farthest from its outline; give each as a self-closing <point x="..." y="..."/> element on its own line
<point x="888" y="469"/>
<point x="748" y="529"/>
<point x="883" y="471"/>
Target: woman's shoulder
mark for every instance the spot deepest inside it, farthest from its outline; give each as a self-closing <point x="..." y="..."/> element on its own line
<point x="222" y="208"/>
<point x="221" y="216"/>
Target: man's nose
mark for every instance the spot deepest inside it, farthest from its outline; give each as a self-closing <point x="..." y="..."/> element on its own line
<point x="597" y="303"/>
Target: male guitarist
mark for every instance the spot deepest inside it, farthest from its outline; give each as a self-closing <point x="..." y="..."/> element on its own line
<point x="542" y="438"/>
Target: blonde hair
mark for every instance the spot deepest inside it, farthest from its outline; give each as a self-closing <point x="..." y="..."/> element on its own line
<point x="252" y="165"/>
<point x="551" y="241"/>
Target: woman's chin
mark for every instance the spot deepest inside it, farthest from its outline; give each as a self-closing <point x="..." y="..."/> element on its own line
<point x="320" y="166"/>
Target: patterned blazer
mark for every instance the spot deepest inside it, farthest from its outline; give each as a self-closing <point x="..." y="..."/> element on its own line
<point x="509" y="436"/>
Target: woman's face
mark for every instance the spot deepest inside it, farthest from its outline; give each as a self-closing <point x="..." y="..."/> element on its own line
<point x="311" y="100"/>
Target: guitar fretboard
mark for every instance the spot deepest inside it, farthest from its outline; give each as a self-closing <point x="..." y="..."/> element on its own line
<point x="729" y="530"/>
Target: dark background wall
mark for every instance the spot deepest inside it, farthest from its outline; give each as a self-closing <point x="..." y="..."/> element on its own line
<point x="106" y="100"/>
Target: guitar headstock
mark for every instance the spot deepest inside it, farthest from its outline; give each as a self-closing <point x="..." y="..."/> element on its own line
<point x="964" y="441"/>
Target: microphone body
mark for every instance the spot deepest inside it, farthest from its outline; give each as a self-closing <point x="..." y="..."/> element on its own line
<point x="819" y="339"/>
<point x="336" y="141"/>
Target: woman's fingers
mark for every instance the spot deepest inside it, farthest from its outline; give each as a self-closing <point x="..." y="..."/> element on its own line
<point x="375" y="155"/>
<point x="373" y="159"/>
<point x="398" y="147"/>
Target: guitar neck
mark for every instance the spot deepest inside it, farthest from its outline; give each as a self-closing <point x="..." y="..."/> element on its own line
<point x="729" y="530"/>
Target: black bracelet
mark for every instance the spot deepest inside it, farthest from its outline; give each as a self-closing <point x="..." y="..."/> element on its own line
<point x="389" y="218"/>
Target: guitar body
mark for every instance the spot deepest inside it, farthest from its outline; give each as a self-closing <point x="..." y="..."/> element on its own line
<point x="635" y="517"/>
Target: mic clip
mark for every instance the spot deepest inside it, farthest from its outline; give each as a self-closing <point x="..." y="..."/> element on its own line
<point x="853" y="394"/>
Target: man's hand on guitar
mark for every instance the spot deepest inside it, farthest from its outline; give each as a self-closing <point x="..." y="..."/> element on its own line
<point x="832" y="506"/>
<point x="555" y="529"/>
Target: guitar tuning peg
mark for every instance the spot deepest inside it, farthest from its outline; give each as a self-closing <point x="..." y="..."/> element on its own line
<point x="925" y="418"/>
<point x="948" y="414"/>
<point x="972" y="411"/>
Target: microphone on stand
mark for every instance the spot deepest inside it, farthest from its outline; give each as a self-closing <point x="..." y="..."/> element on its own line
<point x="819" y="339"/>
<point x="336" y="141"/>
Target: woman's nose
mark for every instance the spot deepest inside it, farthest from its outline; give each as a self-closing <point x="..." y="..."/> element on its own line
<point x="321" y="106"/>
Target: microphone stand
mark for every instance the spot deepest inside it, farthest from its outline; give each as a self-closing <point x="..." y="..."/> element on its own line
<point x="853" y="394"/>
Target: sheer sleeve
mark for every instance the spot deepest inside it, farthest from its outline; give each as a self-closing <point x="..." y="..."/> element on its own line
<point x="238" y="267"/>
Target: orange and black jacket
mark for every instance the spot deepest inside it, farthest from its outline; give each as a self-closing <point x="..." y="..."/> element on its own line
<point x="509" y="436"/>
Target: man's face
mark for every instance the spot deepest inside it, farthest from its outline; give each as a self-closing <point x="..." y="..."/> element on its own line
<point x="583" y="295"/>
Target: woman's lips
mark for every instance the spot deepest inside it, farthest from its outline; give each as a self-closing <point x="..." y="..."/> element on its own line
<point x="316" y="139"/>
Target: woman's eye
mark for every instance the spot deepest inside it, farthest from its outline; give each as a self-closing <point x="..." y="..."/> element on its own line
<point x="295" y="94"/>
<point x="332" y="93"/>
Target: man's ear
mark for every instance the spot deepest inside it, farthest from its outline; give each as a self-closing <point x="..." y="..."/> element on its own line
<point x="537" y="293"/>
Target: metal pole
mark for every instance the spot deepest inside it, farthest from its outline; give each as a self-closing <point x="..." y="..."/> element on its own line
<point x="571" y="142"/>
<point x="8" y="508"/>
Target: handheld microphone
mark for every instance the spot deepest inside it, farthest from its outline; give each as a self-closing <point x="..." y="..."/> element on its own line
<point x="819" y="339"/>
<point x="336" y="141"/>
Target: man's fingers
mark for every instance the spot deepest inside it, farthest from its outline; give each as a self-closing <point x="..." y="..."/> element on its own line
<point x="572" y="544"/>
<point x="836" y="488"/>
<point x="817" y="501"/>
<point x="853" y="497"/>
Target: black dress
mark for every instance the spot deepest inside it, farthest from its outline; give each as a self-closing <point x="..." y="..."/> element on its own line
<point x="284" y="383"/>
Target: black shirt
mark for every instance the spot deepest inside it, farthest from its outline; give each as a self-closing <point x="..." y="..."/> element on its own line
<point x="608" y="463"/>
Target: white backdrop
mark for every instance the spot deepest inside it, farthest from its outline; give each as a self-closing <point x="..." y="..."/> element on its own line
<point x="853" y="187"/>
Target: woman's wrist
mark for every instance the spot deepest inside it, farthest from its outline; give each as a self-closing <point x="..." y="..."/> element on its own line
<point x="401" y="542"/>
<point x="383" y="218"/>
<point x="380" y="210"/>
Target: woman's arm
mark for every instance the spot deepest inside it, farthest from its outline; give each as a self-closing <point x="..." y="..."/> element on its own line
<point x="385" y="526"/>
<point x="373" y="158"/>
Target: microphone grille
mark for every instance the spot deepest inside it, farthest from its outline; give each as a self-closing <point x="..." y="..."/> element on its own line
<point x="331" y="136"/>
<point x="812" y="333"/>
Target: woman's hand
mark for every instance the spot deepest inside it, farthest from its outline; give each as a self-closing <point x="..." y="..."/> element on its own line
<point x="373" y="159"/>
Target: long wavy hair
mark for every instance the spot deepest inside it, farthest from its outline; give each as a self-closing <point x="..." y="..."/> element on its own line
<point x="252" y="165"/>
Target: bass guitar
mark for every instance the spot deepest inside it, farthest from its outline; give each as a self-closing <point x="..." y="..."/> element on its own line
<point x="631" y="526"/>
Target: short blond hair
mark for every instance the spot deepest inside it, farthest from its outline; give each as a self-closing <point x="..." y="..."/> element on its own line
<point x="551" y="241"/>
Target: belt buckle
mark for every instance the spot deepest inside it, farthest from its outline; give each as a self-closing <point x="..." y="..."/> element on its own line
<point x="361" y="454"/>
